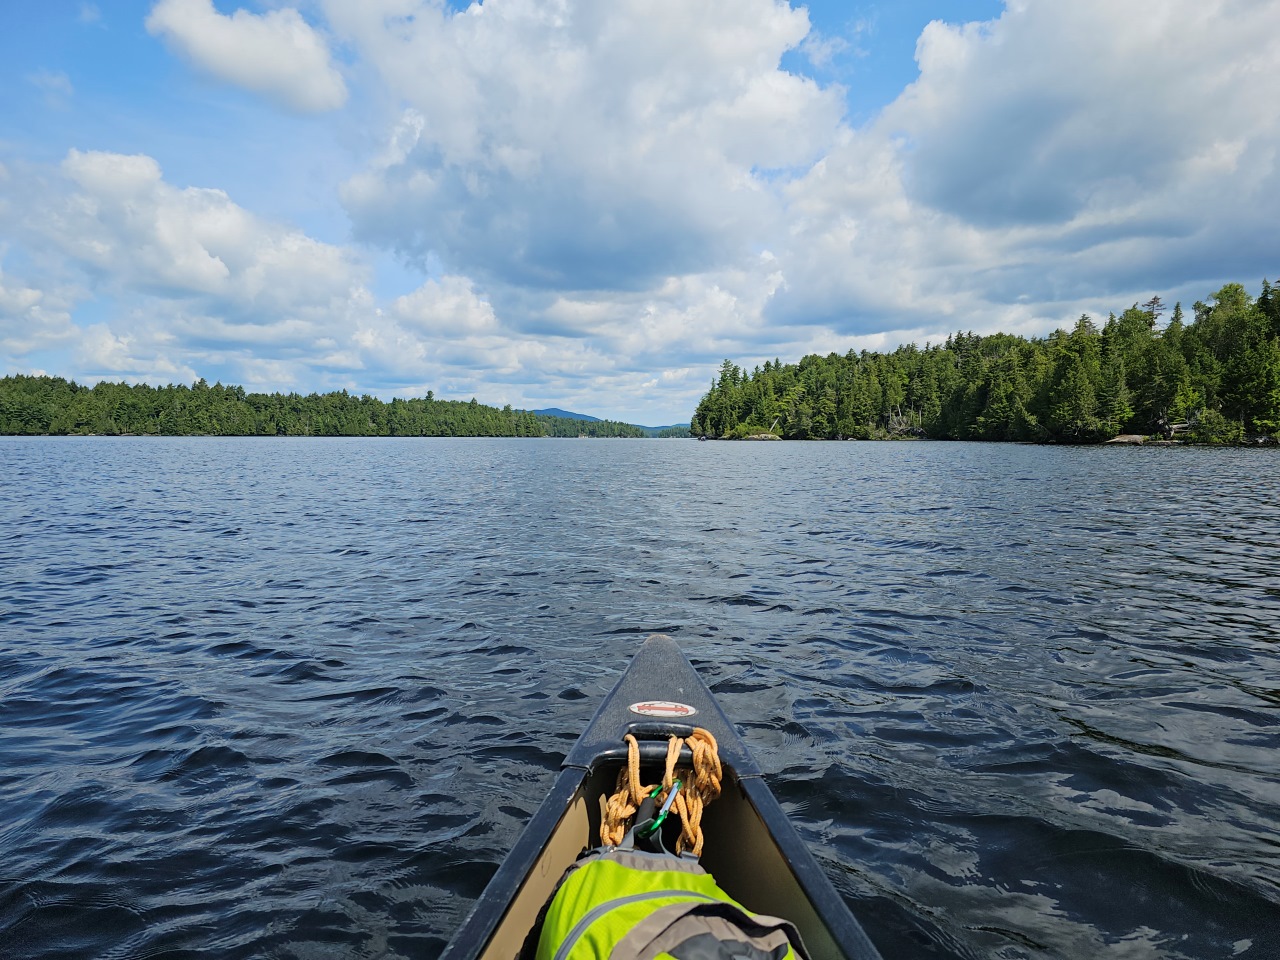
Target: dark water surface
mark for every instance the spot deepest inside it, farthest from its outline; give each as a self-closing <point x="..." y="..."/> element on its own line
<point x="296" y="698"/>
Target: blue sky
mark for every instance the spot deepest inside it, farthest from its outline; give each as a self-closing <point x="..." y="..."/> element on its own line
<point x="567" y="203"/>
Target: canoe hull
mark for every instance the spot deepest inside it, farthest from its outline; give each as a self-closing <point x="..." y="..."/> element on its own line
<point x="751" y="847"/>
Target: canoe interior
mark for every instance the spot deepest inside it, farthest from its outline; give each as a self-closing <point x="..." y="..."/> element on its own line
<point x="740" y="853"/>
<point x="751" y="848"/>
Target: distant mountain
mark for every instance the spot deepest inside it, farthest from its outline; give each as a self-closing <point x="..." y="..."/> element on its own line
<point x="557" y="412"/>
<point x="654" y="431"/>
<point x="567" y="415"/>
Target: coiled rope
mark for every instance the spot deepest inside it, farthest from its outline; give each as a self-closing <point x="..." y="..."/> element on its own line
<point x="699" y="787"/>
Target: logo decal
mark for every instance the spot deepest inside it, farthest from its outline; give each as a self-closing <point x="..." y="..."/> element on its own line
<point x="663" y="709"/>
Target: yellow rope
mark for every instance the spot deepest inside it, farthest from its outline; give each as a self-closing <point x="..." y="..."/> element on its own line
<point x="699" y="787"/>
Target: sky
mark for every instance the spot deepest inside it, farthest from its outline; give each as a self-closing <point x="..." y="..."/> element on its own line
<point x="590" y="205"/>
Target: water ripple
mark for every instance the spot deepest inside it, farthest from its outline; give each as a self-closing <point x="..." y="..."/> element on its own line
<point x="297" y="698"/>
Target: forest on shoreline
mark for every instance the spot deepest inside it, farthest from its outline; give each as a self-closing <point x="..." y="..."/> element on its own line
<point x="1213" y="380"/>
<point x="54" y="406"/>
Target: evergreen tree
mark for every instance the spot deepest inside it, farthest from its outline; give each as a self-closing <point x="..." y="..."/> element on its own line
<point x="47" y="405"/>
<point x="1082" y="385"/>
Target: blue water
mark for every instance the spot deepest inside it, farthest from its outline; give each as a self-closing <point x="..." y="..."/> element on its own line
<point x="295" y="698"/>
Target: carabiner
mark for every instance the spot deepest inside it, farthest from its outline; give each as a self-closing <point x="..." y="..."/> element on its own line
<point x="666" y="808"/>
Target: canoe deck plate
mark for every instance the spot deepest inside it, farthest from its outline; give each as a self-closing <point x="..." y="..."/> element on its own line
<point x="663" y="709"/>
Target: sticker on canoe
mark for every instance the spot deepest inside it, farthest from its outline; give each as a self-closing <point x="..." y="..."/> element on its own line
<point x="663" y="709"/>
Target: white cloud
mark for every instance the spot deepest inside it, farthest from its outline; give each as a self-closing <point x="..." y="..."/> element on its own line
<point x="822" y="50"/>
<point x="55" y="85"/>
<point x="17" y="301"/>
<point x="124" y="222"/>
<point x="192" y="281"/>
<point x="1063" y="158"/>
<point x="1057" y="111"/>
<point x="276" y="53"/>
<point x="448" y="307"/>
<point x="134" y="357"/>
<point x="580" y="145"/>
<point x="53" y="82"/>
<point x="31" y="319"/>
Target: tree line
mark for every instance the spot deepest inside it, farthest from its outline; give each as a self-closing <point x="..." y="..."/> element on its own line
<point x="51" y="405"/>
<point x="1215" y="379"/>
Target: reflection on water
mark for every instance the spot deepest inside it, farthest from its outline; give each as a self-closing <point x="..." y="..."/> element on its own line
<point x="296" y="698"/>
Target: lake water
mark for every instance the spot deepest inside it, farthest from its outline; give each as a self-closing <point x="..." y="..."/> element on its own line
<point x="295" y="698"/>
